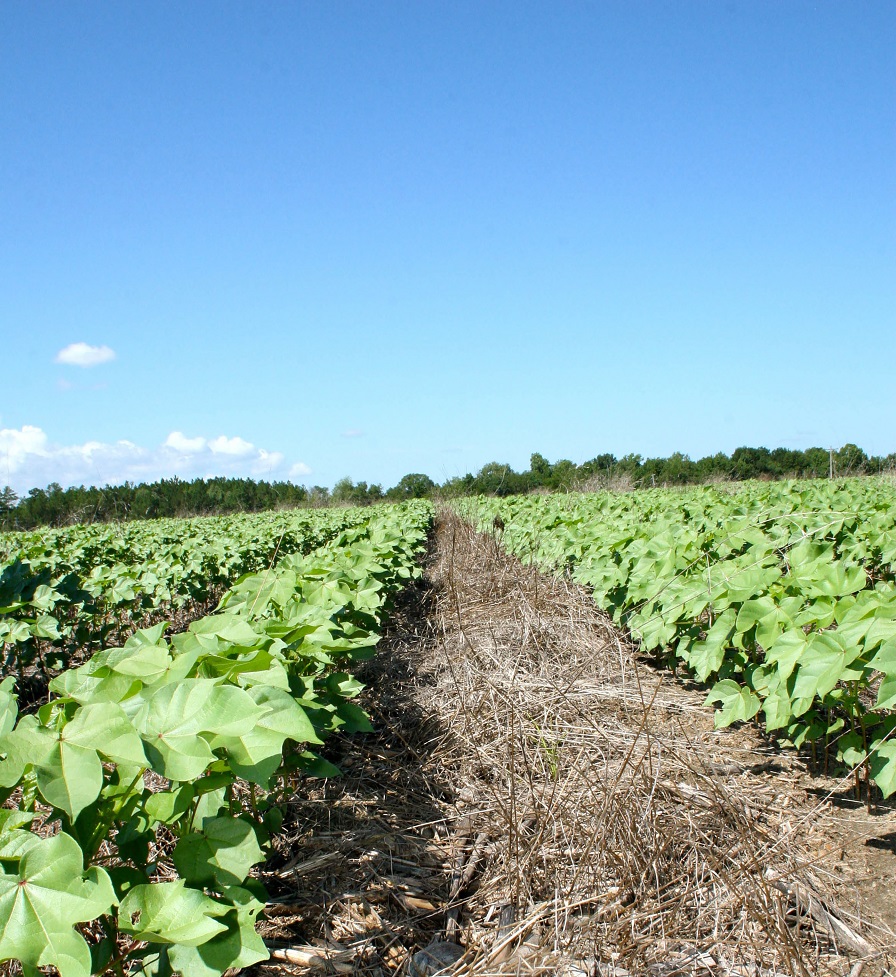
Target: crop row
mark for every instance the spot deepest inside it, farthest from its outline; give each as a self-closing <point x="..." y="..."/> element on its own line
<point x="781" y="596"/>
<point x="77" y="588"/>
<point x="138" y="799"/>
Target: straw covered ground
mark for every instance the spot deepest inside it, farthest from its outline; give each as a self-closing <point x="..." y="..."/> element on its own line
<point x="536" y="800"/>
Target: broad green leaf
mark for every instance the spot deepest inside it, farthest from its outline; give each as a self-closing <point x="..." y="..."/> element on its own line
<point x="786" y="650"/>
<point x="231" y="666"/>
<point x="753" y="611"/>
<point x="145" y="662"/>
<point x="169" y="912"/>
<point x="167" y="805"/>
<point x="94" y="683"/>
<point x="313" y="765"/>
<point x="352" y="718"/>
<point x="14" y="842"/>
<point x="240" y="946"/>
<point x="42" y="902"/>
<point x="745" y="583"/>
<point x="818" y="614"/>
<point x="25" y="746"/>
<point x="46" y="626"/>
<point x="777" y="708"/>
<point x="886" y="694"/>
<point x="821" y="666"/>
<point x="14" y="632"/>
<point x="883" y="767"/>
<point x="839" y="580"/>
<point x="256" y="754"/>
<point x="274" y="676"/>
<point x="706" y="657"/>
<point x="9" y="706"/>
<point x="70" y="777"/>
<point x="738" y="702"/>
<point x="171" y="722"/>
<point x="104" y="727"/>
<point x="850" y="749"/>
<point x="341" y="683"/>
<point x="885" y="658"/>
<point x="11" y="819"/>
<point x="220" y="854"/>
<point x="229" y="627"/>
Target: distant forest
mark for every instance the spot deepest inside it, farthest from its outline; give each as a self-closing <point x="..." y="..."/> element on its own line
<point x="56" y="506"/>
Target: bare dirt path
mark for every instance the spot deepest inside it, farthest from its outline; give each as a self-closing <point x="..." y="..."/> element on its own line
<point x="538" y="799"/>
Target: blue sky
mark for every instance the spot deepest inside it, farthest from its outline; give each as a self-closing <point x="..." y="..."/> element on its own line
<point x="366" y="239"/>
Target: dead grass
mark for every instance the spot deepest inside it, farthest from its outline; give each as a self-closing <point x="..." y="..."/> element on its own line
<point x="552" y="805"/>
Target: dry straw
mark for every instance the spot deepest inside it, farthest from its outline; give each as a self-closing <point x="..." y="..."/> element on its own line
<point x="540" y="798"/>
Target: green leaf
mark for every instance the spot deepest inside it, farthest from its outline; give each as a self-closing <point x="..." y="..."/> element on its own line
<point x="46" y="626"/>
<point x="9" y="705"/>
<point x="70" y="777"/>
<point x="93" y="682"/>
<point x="353" y="717"/>
<point x="229" y="627"/>
<point x="886" y="694"/>
<point x="850" y="749"/>
<point x="221" y="854"/>
<point x="777" y="708"/>
<point x="14" y="842"/>
<point x="883" y="767"/>
<point x="818" y="614"/>
<point x="14" y="632"/>
<point x="42" y="902"/>
<point x="256" y="754"/>
<point x="240" y="946"/>
<point x="145" y="662"/>
<point x="168" y="806"/>
<point x="171" y="722"/>
<point x="821" y="666"/>
<point x="885" y="658"/>
<point x="26" y="745"/>
<point x="11" y="819"/>
<point x="738" y="703"/>
<point x="169" y="912"/>
<point x="837" y="580"/>
<point x="104" y="727"/>
<point x="748" y="582"/>
<point x="786" y="650"/>
<point x="752" y="612"/>
<point x="706" y="657"/>
<point x="313" y="765"/>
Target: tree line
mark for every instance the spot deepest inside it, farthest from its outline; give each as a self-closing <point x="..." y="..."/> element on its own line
<point x="56" y="506"/>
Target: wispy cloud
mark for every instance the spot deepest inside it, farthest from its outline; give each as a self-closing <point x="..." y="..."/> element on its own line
<point x="82" y="354"/>
<point x="353" y="432"/>
<point x="29" y="459"/>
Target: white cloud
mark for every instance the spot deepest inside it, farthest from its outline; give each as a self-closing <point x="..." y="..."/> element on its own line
<point x="268" y="460"/>
<point x="179" y="442"/>
<point x="28" y="459"/>
<point x="231" y="446"/>
<point x="81" y="354"/>
<point x="16" y="446"/>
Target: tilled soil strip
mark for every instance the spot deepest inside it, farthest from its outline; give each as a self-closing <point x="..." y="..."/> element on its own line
<point x="536" y="800"/>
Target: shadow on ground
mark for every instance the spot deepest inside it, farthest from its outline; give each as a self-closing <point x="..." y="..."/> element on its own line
<point x="363" y="858"/>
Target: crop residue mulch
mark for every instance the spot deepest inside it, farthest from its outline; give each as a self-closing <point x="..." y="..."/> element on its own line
<point x="541" y="801"/>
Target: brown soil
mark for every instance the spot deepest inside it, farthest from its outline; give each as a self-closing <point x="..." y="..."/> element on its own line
<point x="551" y="804"/>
